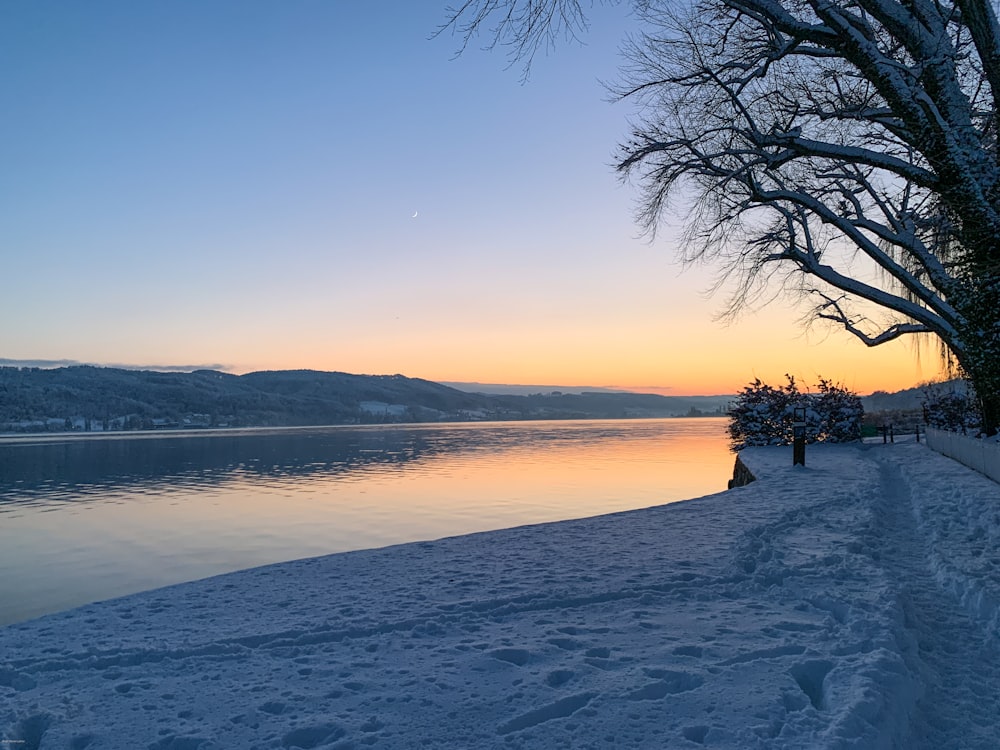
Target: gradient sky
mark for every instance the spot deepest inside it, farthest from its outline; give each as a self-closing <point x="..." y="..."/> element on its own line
<point x="234" y="184"/>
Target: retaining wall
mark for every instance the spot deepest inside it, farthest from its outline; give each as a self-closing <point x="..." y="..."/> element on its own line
<point x="742" y="476"/>
<point x="981" y="455"/>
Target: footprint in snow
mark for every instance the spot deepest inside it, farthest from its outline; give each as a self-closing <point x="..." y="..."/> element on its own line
<point x="518" y="656"/>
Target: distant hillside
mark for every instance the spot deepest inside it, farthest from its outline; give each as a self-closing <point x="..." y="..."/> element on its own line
<point x="904" y="409"/>
<point x="504" y="389"/>
<point x="909" y="399"/>
<point x="85" y="398"/>
<point x="612" y="405"/>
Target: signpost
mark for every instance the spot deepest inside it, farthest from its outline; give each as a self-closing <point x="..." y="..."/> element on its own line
<point x="799" y="436"/>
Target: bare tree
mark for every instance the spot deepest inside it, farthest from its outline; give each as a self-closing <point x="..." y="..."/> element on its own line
<point x="846" y="148"/>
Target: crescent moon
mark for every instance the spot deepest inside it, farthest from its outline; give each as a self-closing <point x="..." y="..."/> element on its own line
<point x="414" y="215"/>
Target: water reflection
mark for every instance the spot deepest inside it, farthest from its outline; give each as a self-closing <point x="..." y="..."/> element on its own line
<point x="83" y="519"/>
<point x="64" y="469"/>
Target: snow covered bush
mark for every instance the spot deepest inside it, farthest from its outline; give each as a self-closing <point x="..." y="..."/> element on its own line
<point x="764" y="415"/>
<point x="951" y="410"/>
<point x="761" y="414"/>
<point x="840" y="413"/>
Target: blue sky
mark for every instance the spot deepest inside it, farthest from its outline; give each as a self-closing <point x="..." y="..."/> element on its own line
<point x="235" y="183"/>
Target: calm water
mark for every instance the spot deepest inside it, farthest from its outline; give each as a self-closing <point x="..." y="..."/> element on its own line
<point x="90" y="518"/>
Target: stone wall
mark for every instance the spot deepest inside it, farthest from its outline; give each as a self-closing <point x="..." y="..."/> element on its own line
<point x="741" y="475"/>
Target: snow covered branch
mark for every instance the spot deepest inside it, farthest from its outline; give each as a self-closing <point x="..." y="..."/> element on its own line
<point x="830" y="309"/>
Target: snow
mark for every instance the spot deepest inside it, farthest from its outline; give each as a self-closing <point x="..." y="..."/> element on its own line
<point x="851" y="603"/>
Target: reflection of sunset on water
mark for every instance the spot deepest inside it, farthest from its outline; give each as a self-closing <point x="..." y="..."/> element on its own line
<point x="129" y="514"/>
<point x="510" y="483"/>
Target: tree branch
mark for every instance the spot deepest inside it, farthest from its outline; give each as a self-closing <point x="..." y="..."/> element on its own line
<point x="831" y="310"/>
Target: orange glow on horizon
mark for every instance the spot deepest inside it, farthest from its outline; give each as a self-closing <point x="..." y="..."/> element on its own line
<point x="669" y="345"/>
<point x="723" y="361"/>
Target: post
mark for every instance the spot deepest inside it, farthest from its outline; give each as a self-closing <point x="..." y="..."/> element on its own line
<point x="918" y="432"/>
<point x="799" y="436"/>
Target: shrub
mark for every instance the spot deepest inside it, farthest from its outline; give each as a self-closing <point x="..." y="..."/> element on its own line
<point x="764" y="415"/>
<point x="840" y="413"/>
<point x="951" y="410"/>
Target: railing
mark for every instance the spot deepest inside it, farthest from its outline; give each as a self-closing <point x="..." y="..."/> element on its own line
<point x="981" y="455"/>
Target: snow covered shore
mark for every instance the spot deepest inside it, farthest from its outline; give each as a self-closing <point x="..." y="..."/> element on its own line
<point x="851" y="603"/>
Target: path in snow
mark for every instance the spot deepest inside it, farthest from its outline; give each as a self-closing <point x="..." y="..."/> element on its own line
<point x="847" y="604"/>
<point x="955" y="655"/>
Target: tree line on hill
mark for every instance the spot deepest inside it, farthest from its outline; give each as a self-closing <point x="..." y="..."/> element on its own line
<point x="87" y="398"/>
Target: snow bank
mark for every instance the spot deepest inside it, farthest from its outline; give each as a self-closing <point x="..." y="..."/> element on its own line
<point x="768" y="616"/>
<point x="959" y="517"/>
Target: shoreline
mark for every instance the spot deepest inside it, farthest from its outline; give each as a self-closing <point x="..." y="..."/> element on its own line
<point x="765" y="616"/>
<point x="130" y="515"/>
<point x="11" y="438"/>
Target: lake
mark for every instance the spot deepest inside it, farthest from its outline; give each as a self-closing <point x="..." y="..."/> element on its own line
<point x="86" y="518"/>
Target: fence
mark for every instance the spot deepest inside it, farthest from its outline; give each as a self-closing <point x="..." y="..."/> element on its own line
<point x="981" y="455"/>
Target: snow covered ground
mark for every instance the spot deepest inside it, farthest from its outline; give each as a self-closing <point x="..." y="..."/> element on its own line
<point x="854" y="603"/>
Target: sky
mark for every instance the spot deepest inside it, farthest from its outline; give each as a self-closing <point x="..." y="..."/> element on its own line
<point x="252" y="185"/>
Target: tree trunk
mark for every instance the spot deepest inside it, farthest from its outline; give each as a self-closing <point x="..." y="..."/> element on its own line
<point x="980" y="339"/>
<point x="990" y="404"/>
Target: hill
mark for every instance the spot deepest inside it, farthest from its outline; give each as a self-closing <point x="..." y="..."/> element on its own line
<point x="904" y="409"/>
<point x="911" y="398"/>
<point x="87" y="398"/>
